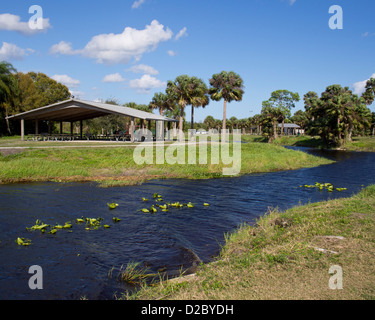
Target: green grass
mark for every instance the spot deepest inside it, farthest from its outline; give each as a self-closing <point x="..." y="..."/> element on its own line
<point x="115" y="165"/>
<point x="280" y="258"/>
<point x="358" y="143"/>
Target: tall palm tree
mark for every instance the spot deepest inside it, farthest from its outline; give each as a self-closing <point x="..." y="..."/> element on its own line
<point x="199" y="96"/>
<point x="184" y="90"/>
<point x="9" y="90"/>
<point x="227" y="86"/>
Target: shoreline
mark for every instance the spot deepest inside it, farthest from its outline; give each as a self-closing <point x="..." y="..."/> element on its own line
<point x="114" y="166"/>
<point x="287" y="256"/>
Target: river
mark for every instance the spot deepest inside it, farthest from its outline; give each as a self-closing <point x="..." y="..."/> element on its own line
<point x="76" y="262"/>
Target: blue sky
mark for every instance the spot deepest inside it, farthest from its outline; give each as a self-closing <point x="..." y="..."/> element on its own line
<point x="128" y="50"/>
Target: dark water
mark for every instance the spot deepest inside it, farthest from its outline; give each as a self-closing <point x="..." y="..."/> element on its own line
<point x="76" y="262"/>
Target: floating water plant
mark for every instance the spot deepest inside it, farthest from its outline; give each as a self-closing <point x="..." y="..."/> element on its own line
<point x="145" y="210"/>
<point x="328" y="186"/>
<point x="206" y="204"/>
<point x="144" y="199"/>
<point x="112" y="205"/>
<point x="106" y="226"/>
<point x="23" y="242"/>
<point x="115" y="220"/>
<point x="38" y="226"/>
<point x="190" y="205"/>
<point x="153" y="209"/>
<point x="80" y="220"/>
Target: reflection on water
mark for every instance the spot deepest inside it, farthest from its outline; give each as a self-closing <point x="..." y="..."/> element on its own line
<point x="77" y="263"/>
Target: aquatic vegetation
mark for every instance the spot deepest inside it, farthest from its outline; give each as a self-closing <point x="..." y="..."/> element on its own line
<point x="80" y="220"/>
<point x="116" y="220"/>
<point x="106" y="226"/>
<point x="190" y="205"/>
<point x="23" y="242"/>
<point x="145" y="211"/>
<point x="112" y="205"/>
<point x="206" y="204"/>
<point x="144" y="199"/>
<point x="328" y="186"/>
<point x="133" y="273"/>
<point x="38" y="226"/>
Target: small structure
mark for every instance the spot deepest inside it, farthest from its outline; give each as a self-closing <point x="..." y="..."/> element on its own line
<point x="74" y="110"/>
<point x="292" y="129"/>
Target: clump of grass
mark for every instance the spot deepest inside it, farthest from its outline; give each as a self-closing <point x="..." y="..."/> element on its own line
<point x="133" y="273"/>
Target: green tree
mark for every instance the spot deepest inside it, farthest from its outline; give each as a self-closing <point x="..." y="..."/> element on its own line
<point x="270" y="117"/>
<point x="228" y="86"/>
<point x="337" y="114"/>
<point x="369" y="93"/>
<point x="300" y="117"/>
<point x="161" y="101"/>
<point x="50" y="90"/>
<point x="9" y="90"/>
<point x="210" y="122"/>
<point x="284" y="100"/>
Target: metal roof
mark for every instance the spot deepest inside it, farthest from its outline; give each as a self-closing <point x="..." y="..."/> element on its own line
<point x="75" y="110"/>
<point x="290" y="125"/>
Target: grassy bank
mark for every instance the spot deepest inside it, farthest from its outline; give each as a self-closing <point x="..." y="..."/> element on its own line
<point x="287" y="255"/>
<point x="115" y="165"/>
<point x="358" y="144"/>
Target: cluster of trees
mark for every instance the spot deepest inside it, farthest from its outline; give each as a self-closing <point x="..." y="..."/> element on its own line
<point x="335" y="116"/>
<point x="339" y="114"/>
<point x="193" y="91"/>
<point x="20" y="92"/>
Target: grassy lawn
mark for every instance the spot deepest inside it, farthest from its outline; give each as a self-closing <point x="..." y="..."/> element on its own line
<point x="282" y="257"/>
<point x="114" y="165"/>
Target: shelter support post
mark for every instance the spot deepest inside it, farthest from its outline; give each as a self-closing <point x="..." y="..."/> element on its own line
<point x="22" y="129"/>
<point x="36" y="126"/>
<point x="61" y="127"/>
<point x="81" y="128"/>
<point x="71" y="129"/>
<point x="132" y="130"/>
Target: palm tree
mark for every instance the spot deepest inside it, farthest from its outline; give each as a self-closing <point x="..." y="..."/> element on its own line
<point x="227" y="86"/>
<point x="369" y="94"/>
<point x="185" y="90"/>
<point x="209" y="121"/>
<point x="199" y="96"/>
<point x="160" y="101"/>
<point x="9" y="90"/>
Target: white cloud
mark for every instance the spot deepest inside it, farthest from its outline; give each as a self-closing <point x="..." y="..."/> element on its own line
<point x="146" y="83"/>
<point x="63" y="48"/>
<point x="137" y="4"/>
<point x="115" y="77"/>
<point x="291" y="2"/>
<point x="181" y="33"/>
<point x="120" y="48"/>
<point x="172" y="53"/>
<point x="142" y="68"/>
<point x="11" y="22"/>
<point x="66" y="80"/>
<point x="10" y="51"/>
<point x="359" y="87"/>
